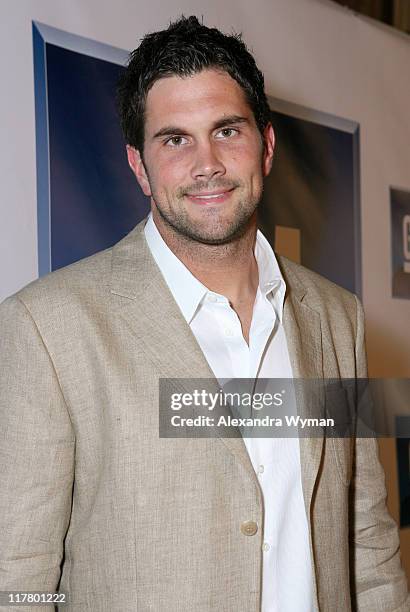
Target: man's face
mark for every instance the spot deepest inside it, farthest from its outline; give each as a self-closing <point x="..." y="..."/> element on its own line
<point x="204" y="157"/>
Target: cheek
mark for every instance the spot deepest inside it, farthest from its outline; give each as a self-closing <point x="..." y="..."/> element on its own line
<point x="255" y="175"/>
<point x="169" y="173"/>
<point x="244" y="159"/>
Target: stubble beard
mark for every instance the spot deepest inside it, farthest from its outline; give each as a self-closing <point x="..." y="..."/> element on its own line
<point x="213" y="232"/>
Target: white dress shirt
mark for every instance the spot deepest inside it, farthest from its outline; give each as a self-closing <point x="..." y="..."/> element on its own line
<point x="287" y="571"/>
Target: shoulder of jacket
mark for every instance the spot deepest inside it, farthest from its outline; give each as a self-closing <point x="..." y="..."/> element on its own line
<point x="87" y="276"/>
<point x="319" y="291"/>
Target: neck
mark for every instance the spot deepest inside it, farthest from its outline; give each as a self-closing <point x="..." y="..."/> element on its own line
<point x="229" y="269"/>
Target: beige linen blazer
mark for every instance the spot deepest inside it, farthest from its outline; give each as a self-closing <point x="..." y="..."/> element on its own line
<point x="91" y="498"/>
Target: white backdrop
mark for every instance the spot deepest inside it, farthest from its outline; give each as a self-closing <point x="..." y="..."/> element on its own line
<point x="313" y="52"/>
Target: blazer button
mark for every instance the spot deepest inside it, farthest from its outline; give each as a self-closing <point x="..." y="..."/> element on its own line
<point x="249" y="528"/>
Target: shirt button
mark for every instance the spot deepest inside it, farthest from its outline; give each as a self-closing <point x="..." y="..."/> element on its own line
<point x="249" y="528"/>
<point x="265" y="547"/>
<point x="212" y="298"/>
<point x="261" y="469"/>
<point x="229" y="332"/>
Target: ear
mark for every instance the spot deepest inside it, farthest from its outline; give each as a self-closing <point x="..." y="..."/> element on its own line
<point x="138" y="168"/>
<point x="269" y="145"/>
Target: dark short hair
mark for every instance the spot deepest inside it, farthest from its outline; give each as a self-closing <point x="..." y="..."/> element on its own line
<point x="186" y="47"/>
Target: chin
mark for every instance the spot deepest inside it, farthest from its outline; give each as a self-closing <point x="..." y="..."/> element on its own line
<point x="207" y="236"/>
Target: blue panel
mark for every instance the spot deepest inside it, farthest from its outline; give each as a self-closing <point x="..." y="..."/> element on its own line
<point x="95" y="199"/>
<point x="403" y="465"/>
<point x="313" y="187"/>
<point x="400" y="242"/>
<point x="88" y="198"/>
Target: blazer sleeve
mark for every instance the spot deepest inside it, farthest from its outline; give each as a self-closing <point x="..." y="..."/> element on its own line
<point x="377" y="579"/>
<point x="36" y="457"/>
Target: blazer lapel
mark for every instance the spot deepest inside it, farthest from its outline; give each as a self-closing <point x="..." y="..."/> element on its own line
<point x="303" y="333"/>
<point x="142" y="298"/>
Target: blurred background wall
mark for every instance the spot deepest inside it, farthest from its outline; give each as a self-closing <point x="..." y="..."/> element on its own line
<point x="393" y="12"/>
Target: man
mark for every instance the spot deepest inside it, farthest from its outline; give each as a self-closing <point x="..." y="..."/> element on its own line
<point x="140" y="522"/>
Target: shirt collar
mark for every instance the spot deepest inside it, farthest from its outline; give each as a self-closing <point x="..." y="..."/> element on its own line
<point x="188" y="291"/>
<point x="271" y="281"/>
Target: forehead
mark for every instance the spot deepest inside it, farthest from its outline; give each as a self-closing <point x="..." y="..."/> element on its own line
<point x="196" y="99"/>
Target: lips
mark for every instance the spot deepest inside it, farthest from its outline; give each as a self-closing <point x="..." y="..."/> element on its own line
<point x="210" y="197"/>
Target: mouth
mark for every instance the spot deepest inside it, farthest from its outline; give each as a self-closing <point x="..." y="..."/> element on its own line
<point x="210" y="197"/>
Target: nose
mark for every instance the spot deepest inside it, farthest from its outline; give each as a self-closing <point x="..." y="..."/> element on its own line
<point x="207" y="163"/>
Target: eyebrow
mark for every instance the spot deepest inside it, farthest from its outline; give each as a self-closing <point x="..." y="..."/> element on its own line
<point x="171" y="130"/>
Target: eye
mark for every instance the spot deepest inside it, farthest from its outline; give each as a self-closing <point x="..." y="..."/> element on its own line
<point x="176" y="141"/>
<point x="226" y="132"/>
